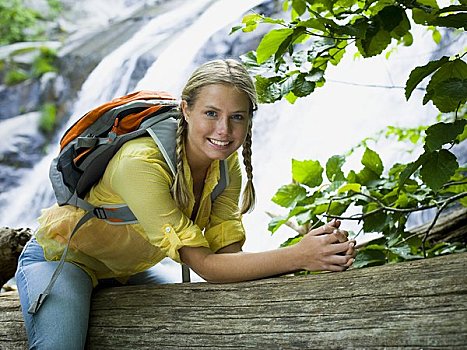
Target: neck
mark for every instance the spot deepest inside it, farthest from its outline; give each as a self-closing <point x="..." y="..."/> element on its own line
<point x="198" y="168"/>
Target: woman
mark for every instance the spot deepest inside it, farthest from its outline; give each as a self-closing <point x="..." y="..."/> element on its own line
<point x="175" y="215"/>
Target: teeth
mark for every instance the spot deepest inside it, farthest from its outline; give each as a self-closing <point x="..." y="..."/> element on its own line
<point x="219" y="143"/>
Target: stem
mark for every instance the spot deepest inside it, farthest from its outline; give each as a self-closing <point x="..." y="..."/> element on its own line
<point x="438" y="213"/>
<point x="454" y="183"/>
<point x="383" y="207"/>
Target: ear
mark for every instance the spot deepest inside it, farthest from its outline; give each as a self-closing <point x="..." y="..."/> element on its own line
<point x="184" y="108"/>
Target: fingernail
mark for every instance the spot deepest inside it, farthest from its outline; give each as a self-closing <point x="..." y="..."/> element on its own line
<point x="352" y="244"/>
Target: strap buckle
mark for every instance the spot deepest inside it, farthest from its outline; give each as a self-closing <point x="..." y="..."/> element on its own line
<point x="100" y="213"/>
<point x="37" y="303"/>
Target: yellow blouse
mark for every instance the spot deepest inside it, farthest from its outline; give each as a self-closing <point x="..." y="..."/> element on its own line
<point x="139" y="176"/>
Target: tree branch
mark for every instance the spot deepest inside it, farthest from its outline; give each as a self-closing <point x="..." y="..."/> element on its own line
<point x="438" y="213"/>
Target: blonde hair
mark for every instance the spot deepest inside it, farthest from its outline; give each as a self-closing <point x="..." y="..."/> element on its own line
<point x="230" y="72"/>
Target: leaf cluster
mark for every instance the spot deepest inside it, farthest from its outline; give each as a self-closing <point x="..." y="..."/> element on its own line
<point x="16" y="70"/>
<point x="19" y="22"/>
<point x="381" y="200"/>
<point x="291" y="61"/>
<point x="292" y="58"/>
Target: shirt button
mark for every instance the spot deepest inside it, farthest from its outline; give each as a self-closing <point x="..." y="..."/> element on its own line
<point x="167" y="230"/>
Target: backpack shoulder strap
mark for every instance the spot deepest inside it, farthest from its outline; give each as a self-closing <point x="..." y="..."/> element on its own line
<point x="223" y="180"/>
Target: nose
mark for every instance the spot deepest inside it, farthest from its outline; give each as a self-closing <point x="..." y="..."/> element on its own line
<point x="223" y="126"/>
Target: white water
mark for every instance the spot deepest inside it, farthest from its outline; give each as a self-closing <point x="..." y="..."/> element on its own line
<point x="329" y="122"/>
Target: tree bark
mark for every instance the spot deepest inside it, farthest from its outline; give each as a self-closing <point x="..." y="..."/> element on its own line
<point x="413" y="305"/>
<point x="12" y="242"/>
<point x="451" y="227"/>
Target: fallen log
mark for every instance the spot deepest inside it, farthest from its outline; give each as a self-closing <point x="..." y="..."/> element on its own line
<point x="12" y="242"/>
<point x="415" y="305"/>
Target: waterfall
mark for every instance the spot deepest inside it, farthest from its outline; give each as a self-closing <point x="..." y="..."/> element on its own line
<point x="111" y="78"/>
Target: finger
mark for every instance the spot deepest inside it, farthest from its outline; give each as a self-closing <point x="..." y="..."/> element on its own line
<point x="335" y="223"/>
<point x="334" y="268"/>
<point x="341" y="235"/>
<point x="342" y="260"/>
<point x="322" y="230"/>
<point x="352" y="251"/>
<point x="350" y="262"/>
<point x="340" y="247"/>
<point x="337" y="236"/>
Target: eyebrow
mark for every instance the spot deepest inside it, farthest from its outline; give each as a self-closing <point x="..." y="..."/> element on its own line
<point x="218" y="109"/>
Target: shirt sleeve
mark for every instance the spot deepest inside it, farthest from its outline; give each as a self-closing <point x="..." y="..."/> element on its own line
<point x="140" y="176"/>
<point x="225" y="223"/>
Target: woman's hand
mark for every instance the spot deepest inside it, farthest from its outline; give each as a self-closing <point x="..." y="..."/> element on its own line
<point x="326" y="248"/>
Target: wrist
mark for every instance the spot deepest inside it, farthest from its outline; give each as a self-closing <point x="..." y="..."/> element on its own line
<point x="294" y="253"/>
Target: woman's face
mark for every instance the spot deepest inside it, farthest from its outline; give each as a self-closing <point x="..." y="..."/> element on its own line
<point x="218" y="122"/>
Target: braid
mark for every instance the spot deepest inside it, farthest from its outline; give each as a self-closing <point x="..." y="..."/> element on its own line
<point x="179" y="186"/>
<point x="248" y="196"/>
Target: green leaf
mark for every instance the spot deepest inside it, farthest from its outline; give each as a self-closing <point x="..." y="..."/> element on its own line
<point x="276" y="222"/>
<point x="289" y="195"/>
<point x="366" y="176"/>
<point x="458" y="20"/>
<point x="375" y="222"/>
<point x="391" y="17"/>
<point x="441" y="84"/>
<point x="411" y="168"/>
<point x="337" y="53"/>
<point x="334" y="168"/>
<point x="268" y="89"/>
<point x="436" y="36"/>
<point x="291" y="97"/>
<point x="307" y="172"/>
<point x="438" y="169"/>
<point x="420" y="73"/>
<point x="350" y="187"/>
<point x="404" y="252"/>
<point x="251" y="22"/>
<point x="313" y="23"/>
<point x="234" y="29"/>
<point x="449" y="94"/>
<point x="425" y="13"/>
<point x="271" y="43"/>
<point x="299" y="6"/>
<point x="370" y="257"/>
<point x="372" y="161"/>
<point x="302" y="87"/>
<point x="338" y="208"/>
<point x="292" y="241"/>
<point x="441" y="133"/>
<point x="375" y="41"/>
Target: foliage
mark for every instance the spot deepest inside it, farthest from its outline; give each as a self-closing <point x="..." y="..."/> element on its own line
<point x="21" y="23"/>
<point x="17" y="71"/>
<point x="290" y="62"/>
<point x="48" y="118"/>
<point x="15" y="76"/>
<point x="15" y="19"/>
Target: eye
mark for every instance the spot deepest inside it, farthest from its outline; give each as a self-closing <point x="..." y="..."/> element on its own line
<point x="238" y="117"/>
<point x="211" y="114"/>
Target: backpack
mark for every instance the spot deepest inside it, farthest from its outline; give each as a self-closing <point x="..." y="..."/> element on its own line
<point x="88" y="145"/>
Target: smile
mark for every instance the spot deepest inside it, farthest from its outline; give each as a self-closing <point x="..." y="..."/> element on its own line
<point x="219" y="142"/>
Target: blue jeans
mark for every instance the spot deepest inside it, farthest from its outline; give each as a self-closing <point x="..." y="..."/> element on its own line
<point x="62" y="321"/>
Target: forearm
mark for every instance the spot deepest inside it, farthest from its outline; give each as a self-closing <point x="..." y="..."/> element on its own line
<point x="236" y="267"/>
<point x="323" y="249"/>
